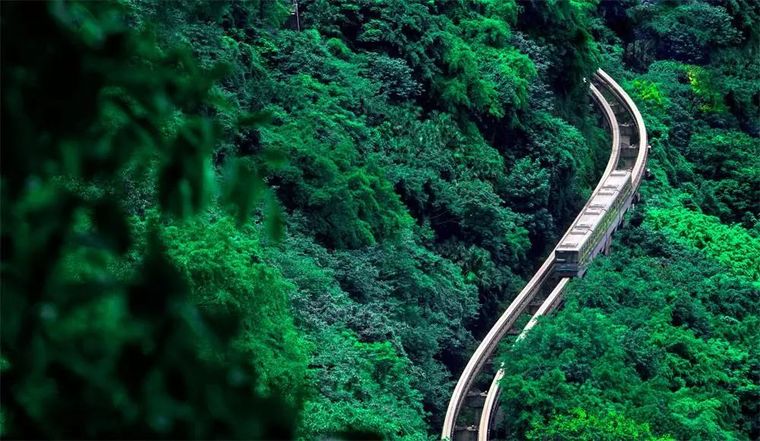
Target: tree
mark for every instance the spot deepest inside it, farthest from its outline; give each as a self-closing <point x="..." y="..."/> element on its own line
<point x="99" y="336"/>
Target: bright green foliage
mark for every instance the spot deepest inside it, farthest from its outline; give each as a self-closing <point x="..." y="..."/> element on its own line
<point x="220" y="220"/>
<point x="649" y="92"/>
<point x="658" y="332"/>
<point x="659" y="340"/>
<point x="581" y="425"/>
<point x="719" y="36"/>
<point x="362" y="386"/>
<point x="479" y="70"/>
<point x="350" y="204"/>
<point x="701" y="82"/>
<point x="489" y="87"/>
<point x="223" y="266"/>
<point x="716" y="166"/>
<point x="732" y="246"/>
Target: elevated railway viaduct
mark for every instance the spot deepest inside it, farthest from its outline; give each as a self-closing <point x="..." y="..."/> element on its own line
<point x="474" y="401"/>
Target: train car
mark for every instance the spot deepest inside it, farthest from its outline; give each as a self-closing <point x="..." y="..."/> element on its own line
<point x="588" y="235"/>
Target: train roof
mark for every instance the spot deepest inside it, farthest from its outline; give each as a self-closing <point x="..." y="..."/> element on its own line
<point x="594" y="211"/>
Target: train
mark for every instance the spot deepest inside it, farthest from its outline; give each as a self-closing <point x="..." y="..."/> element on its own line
<point x="590" y="234"/>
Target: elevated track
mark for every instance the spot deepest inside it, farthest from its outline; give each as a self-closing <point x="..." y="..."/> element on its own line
<point x="474" y="401"/>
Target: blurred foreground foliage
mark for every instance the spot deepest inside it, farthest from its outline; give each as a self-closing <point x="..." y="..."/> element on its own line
<point x="104" y="333"/>
<point x="217" y="225"/>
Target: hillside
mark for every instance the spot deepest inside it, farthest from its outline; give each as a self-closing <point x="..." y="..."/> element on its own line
<point x="275" y="220"/>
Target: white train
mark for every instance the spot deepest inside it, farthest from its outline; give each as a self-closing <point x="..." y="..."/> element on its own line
<point x="590" y="234"/>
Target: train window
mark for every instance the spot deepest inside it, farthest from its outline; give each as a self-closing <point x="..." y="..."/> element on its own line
<point x="567" y="256"/>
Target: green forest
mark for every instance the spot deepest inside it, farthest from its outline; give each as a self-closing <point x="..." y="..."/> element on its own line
<point x="276" y="219"/>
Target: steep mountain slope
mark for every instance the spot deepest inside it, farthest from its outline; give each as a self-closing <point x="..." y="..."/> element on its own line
<point x="660" y="339"/>
<point x="235" y="219"/>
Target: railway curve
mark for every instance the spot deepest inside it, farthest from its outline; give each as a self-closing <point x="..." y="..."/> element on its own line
<point x="474" y="400"/>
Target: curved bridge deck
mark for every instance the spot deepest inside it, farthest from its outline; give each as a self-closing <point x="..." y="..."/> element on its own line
<point x="475" y="397"/>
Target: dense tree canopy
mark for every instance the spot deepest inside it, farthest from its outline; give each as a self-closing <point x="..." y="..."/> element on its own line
<point x="239" y="220"/>
<point x="659" y="340"/>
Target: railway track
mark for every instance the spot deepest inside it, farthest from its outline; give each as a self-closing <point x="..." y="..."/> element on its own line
<point x="474" y="401"/>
